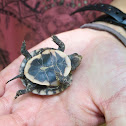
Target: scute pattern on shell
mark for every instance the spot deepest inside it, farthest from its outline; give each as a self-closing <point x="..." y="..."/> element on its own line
<point x="42" y="67"/>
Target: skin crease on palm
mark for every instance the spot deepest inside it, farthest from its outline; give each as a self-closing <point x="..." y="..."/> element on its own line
<point x="97" y="92"/>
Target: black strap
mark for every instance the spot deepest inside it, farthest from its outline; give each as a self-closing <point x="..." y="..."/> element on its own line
<point x="109" y="19"/>
<point x="101" y="27"/>
<point x="114" y="15"/>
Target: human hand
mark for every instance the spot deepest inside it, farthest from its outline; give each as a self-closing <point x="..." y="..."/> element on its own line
<point x="97" y="90"/>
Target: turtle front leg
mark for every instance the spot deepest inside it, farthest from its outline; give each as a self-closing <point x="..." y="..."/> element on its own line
<point x="28" y="89"/>
<point x="59" y="43"/>
<point x="65" y="80"/>
<point x="25" y="52"/>
<point x="75" y="60"/>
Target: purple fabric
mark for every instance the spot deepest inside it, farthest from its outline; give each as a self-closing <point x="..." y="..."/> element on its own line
<point x="35" y="20"/>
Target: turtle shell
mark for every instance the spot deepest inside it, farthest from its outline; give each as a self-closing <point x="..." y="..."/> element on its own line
<point x="41" y="68"/>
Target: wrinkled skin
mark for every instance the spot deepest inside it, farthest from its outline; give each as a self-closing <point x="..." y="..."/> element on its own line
<point x="97" y="92"/>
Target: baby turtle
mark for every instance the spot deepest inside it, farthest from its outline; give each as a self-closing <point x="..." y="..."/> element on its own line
<point x="46" y="71"/>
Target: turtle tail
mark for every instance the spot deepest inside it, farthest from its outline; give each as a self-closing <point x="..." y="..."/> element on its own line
<point x="18" y="76"/>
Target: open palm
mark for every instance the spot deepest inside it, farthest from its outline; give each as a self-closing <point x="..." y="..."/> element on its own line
<point x="96" y="94"/>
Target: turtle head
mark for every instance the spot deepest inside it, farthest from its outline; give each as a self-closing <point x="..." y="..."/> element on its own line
<point x="75" y="60"/>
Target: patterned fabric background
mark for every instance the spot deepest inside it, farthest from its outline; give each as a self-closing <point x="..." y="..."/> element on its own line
<point x="35" y="20"/>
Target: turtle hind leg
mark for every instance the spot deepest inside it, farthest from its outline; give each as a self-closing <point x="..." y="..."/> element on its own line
<point x="25" y="52"/>
<point x="59" y="43"/>
<point x="20" y="92"/>
<point x="75" y="60"/>
<point x="65" y="80"/>
<point x="28" y="89"/>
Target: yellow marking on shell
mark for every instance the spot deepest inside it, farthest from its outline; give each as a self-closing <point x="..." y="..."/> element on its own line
<point x="42" y="92"/>
<point x="46" y="51"/>
<point x="45" y="83"/>
<point x="37" y="50"/>
<point x="53" y="52"/>
<point x="50" y="92"/>
<point x="28" y="65"/>
<point x="44" y="68"/>
<point x="68" y="68"/>
<point x="57" y="91"/>
<point x="35" y="91"/>
<point x="55" y="83"/>
<point x="63" y="55"/>
<point x="32" y="79"/>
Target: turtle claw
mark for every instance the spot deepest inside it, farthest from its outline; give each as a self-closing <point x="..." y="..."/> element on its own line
<point x="20" y="92"/>
<point x="16" y="96"/>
